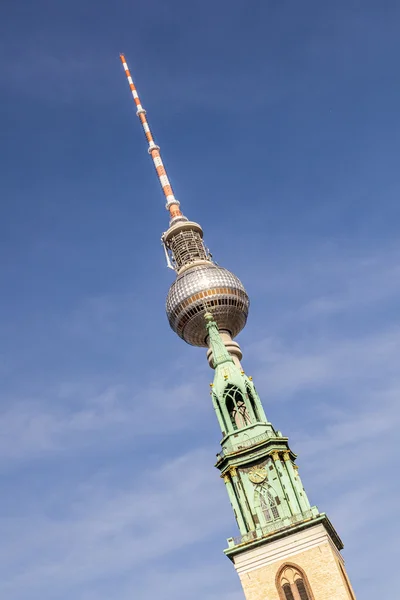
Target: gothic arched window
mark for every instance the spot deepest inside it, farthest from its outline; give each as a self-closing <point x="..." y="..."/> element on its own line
<point x="301" y="588"/>
<point x="253" y="402"/>
<point x="287" y="591"/>
<point x="230" y="407"/>
<point x="268" y="504"/>
<point x="236" y="407"/>
<point x="220" y="412"/>
<point x="292" y="584"/>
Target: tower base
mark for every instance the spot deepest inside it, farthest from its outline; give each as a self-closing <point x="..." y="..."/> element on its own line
<point x="309" y="555"/>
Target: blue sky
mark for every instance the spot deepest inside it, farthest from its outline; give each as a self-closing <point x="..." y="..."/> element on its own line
<point x="278" y="123"/>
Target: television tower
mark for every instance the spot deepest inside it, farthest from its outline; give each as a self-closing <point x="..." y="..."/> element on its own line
<point x="287" y="549"/>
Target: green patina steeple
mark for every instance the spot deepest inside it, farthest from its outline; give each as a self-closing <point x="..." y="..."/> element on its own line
<point x="256" y="463"/>
<point x="234" y="396"/>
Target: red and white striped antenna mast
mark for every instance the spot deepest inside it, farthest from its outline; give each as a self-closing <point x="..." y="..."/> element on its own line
<point x="172" y="204"/>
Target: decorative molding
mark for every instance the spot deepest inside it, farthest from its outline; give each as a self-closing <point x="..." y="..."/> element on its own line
<point x="262" y="463"/>
<point x="275" y="455"/>
<point x="283" y="548"/>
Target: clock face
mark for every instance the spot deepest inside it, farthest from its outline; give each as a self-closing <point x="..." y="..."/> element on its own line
<point x="257" y="474"/>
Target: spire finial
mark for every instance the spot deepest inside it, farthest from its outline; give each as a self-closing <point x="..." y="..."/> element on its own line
<point x="172" y="204"/>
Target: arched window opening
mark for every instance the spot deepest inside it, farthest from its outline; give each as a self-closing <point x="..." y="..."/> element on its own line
<point x="236" y="407"/>
<point x="220" y="411"/>
<point x="268" y="505"/>
<point x="302" y="590"/>
<point x="230" y="407"/>
<point x="292" y="584"/>
<point x="253" y="402"/>
<point x="288" y="591"/>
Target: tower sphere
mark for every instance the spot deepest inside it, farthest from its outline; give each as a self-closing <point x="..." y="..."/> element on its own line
<point x="201" y="288"/>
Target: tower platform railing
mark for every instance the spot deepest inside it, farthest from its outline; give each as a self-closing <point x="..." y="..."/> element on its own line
<point x="231" y="448"/>
<point x="273" y="527"/>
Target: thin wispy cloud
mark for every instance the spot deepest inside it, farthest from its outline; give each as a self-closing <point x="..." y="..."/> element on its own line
<point x="96" y="529"/>
<point x="346" y="387"/>
<point x="66" y="422"/>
